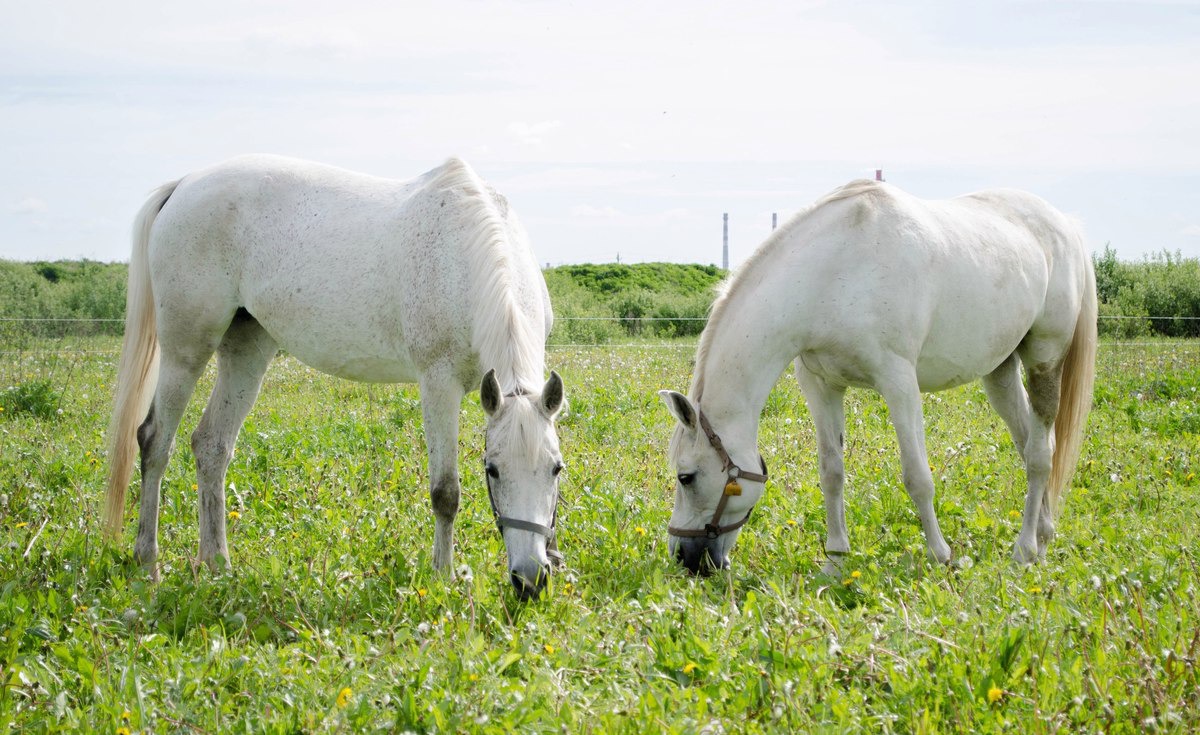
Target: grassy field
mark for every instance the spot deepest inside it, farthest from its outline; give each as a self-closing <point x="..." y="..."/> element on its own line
<point x="333" y="621"/>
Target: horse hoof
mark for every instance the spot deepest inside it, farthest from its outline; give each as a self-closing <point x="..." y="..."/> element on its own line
<point x="1025" y="556"/>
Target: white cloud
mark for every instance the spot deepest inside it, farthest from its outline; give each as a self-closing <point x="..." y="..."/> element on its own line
<point x="29" y="206"/>
<point x="590" y="212"/>
<point x="1190" y="231"/>
<point x="575" y="177"/>
<point x="533" y="134"/>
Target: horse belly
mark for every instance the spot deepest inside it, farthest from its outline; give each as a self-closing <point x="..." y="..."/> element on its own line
<point x="969" y="340"/>
<point x="345" y="338"/>
<point x="362" y="367"/>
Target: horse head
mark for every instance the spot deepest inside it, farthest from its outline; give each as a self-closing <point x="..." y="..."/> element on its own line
<point x="522" y="463"/>
<point x="713" y="494"/>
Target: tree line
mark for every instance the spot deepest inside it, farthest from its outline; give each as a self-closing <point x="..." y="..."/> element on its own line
<point x="597" y="303"/>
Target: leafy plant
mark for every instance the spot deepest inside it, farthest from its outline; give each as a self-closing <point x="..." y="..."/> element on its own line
<point x="35" y="397"/>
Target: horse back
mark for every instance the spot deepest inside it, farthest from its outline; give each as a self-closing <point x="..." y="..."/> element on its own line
<point x="358" y="276"/>
<point x="953" y="286"/>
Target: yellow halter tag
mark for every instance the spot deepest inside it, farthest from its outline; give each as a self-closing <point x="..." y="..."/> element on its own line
<point x="733" y="488"/>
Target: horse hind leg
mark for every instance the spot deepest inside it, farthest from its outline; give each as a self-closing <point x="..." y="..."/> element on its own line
<point x="1006" y="393"/>
<point x="1031" y="430"/>
<point x="178" y="372"/>
<point x="1037" y="524"/>
<point x="242" y="359"/>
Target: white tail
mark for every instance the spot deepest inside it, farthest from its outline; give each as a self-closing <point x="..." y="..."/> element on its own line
<point x="1075" y="398"/>
<point x="137" y="375"/>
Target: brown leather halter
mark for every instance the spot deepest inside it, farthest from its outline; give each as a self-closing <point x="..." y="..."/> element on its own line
<point x="503" y="522"/>
<point x="713" y="528"/>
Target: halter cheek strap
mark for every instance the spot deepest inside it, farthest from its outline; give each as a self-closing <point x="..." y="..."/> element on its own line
<point x="713" y="528"/>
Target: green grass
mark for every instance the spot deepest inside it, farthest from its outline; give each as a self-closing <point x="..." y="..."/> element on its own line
<point x="334" y="622"/>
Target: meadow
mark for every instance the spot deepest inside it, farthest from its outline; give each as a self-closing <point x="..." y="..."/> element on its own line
<point x="333" y="621"/>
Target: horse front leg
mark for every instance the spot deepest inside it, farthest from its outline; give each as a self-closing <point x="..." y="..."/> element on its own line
<point x="441" y="399"/>
<point x="826" y="405"/>
<point x="902" y="394"/>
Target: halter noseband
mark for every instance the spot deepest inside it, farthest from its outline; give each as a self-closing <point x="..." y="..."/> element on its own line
<point x="503" y="522"/>
<point x="713" y="528"/>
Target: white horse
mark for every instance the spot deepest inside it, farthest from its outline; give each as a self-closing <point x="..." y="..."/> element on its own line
<point x="429" y="281"/>
<point x="874" y="288"/>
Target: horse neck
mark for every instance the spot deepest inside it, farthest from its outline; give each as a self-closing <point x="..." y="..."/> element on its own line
<point x="740" y="362"/>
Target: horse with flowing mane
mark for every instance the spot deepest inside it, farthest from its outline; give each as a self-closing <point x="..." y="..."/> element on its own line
<point x="430" y="280"/>
<point x="872" y="287"/>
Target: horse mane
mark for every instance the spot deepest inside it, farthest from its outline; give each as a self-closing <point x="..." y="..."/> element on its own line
<point x="732" y="283"/>
<point x="503" y="336"/>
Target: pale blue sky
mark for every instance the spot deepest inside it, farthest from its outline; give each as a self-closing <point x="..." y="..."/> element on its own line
<point x="613" y="127"/>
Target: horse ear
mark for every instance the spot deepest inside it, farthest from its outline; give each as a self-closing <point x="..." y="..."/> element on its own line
<point x="552" y="395"/>
<point x="489" y="393"/>
<point x="680" y="407"/>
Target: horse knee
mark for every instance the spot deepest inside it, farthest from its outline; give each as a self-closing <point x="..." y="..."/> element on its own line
<point x="919" y="486"/>
<point x="444" y="497"/>
<point x="832" y="478"/>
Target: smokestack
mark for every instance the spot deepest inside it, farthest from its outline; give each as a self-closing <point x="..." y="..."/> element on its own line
<point x="725" y="242"/>
<point x="879" y="174"/>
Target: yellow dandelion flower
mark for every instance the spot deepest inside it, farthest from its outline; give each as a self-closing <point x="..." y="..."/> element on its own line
<point x="421" y="592"/>
<point x="122" y="730"/>
<point x="473" y="677"/>
<point x="343" y="697"/>
<point x="847" y="581"/>
<point x="1034" y="590"/>
<point x="994" y="694"/>
<point x="549" y="649"/>
<point x="792" y="522"/>
<point x="689" y="667"/>
<point x="195" y="486"/>
<point x="1190" y="476"/>
<point x="125" y="715"/>
<point x="87" y="454"/>
<point x="22" y="524"/>
<point x="1014" y="514"/>
<point x="234" y="515"/>
<point x="640" y="531"/>
<point x="81" y="608"/>
<point x="855" y="574"/>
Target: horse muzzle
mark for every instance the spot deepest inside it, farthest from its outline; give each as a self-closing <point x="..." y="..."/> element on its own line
<point x="529" y="580"/>
<point x="700" y="555"/>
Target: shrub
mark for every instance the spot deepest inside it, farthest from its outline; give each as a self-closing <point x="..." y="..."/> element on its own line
<point x="36" y="397"/>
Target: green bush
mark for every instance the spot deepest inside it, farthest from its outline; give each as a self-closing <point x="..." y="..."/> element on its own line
<point x="36" y="397"/>
<point x="1159" y="295"/>
<point x="596" y="303"/>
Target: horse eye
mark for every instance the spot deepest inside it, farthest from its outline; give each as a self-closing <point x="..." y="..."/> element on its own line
<point x="685" y="478"/>
<point x="557" y="469"/>
<point x="493" y="472"/>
